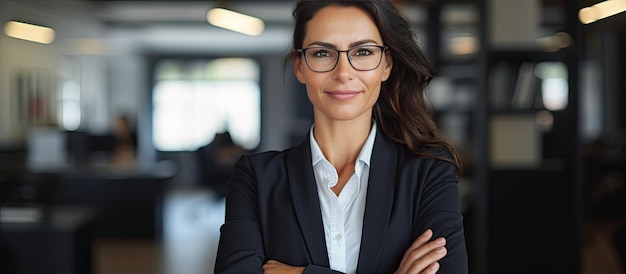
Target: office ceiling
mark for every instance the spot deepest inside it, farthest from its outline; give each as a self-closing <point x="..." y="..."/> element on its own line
<point x="181" y="26"/>
<point x="165" y="25"/>
<point x="161" y="12"/>
<point x="168" y="25"/>
<point x="274" y="12"/>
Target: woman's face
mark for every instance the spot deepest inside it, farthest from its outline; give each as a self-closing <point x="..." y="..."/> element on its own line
<point x="343" y="93"/>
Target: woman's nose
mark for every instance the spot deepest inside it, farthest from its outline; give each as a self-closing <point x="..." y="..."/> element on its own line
<point x="344" y="67"/>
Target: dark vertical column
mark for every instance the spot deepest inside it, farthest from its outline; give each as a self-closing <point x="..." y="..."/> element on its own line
<point x="610" y="68"/>
<point x="433" y="28"/>
<point x="621" y="56"/>
<point x="481" y="145"/>
<point x="574" y="180"/>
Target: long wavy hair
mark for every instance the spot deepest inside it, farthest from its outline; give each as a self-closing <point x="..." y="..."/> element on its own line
<point x="401" y="111"/>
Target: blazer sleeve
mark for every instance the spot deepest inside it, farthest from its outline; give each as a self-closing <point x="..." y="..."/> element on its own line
<point x="241" y="247"/>
<point x="440" y="211"/>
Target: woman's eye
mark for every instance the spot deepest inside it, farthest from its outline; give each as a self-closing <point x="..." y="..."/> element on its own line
<point x="322" y="53"/>
<point x="362" y="52"/>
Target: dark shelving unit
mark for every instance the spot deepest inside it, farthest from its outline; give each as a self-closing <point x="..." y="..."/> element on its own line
<point x="527" y="217"/>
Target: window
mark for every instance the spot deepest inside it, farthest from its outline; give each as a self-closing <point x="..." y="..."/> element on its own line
<point x="195" y="99"/>
<point x="68" y="101"/>
<point x="69" y="105"/>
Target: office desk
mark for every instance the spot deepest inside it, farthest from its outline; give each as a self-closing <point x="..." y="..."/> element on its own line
<point x="61" y="242"/>
<point x="127" y="204"/>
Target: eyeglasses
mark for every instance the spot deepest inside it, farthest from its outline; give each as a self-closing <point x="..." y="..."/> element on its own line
<point x="324" y="59"/>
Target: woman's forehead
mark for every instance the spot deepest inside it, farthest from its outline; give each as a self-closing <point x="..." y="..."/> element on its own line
<point x="341" y="25"/>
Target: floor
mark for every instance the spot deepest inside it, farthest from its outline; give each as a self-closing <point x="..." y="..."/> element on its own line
<point x="598" y="253"/>
<point x="191" y="232"/>
<point x="192" y="218"/>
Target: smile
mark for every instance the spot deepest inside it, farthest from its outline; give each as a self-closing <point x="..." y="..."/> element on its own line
<point x="343" y="95"/>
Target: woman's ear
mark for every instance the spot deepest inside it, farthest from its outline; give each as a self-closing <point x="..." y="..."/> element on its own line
<point x="297" y="66"/>
<point x="387" y="66"/>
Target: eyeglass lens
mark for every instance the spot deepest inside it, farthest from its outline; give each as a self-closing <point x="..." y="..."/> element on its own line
<point x="324" y="59"/>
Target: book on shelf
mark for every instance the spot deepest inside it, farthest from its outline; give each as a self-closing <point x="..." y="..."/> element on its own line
<point x="525" y="87"/>
<point x="500" y="85"/>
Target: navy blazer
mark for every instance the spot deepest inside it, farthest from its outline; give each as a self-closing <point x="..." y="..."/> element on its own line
<point x="273" y="211"/>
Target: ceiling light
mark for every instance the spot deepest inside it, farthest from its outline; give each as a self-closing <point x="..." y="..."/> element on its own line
<point x="29" y="32"/>
<point x="235" y="21"/>
<point x="601" y="10"/>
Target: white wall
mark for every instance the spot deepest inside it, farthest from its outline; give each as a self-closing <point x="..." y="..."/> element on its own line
<point x="19" y="55"/>
<point x="16" y="55"/>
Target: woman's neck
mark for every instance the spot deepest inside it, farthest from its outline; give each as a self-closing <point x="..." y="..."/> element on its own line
<point x="341" y="141"/>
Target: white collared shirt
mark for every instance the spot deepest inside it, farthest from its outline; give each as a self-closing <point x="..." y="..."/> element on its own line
<point x="343" y="215"/>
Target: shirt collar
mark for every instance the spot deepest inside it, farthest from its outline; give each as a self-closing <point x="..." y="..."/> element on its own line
<point x="364" y="156"/>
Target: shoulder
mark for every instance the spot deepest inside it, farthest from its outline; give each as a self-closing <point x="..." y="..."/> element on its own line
<point x="429" y="159"/>
<point x="438" y="152"/>
<point x="274" y="160"/>
<point x="427" y="154"/>
<point x="261" y="160"/>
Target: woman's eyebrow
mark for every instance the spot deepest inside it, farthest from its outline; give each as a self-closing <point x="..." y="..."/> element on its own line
<point x="322" y="44"/>
<point x="363" y="42"/>
<point x="353" y="44"/>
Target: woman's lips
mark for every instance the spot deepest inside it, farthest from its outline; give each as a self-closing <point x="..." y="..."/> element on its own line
<point x="343" y="95"/>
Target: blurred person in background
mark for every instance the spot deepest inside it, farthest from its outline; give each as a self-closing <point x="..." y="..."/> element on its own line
<point x="124" y="153"/>
<point x="216" y="162"/>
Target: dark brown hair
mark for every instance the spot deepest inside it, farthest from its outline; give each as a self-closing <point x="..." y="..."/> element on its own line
<point x="401" y="111"/>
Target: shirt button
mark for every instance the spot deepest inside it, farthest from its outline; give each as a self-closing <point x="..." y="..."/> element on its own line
<point x="338" y="237"/>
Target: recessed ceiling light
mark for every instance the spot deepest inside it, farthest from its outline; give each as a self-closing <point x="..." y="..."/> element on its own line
<point x="29" y="32"/>
<point x="235" y="21"/>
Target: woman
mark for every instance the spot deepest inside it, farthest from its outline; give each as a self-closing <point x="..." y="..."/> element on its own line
<point x="373" y="188"/>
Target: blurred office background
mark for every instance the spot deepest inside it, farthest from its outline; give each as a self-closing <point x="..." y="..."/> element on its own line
<point x="120" y="121"/>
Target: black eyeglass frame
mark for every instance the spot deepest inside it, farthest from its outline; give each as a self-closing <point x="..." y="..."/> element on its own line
<point x="303" y="51"/>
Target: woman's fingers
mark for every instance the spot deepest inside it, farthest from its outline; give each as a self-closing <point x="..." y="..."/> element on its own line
<point x="423" y="254"/>
<point x="432" y="269"/>
<point x="276" y="267"/>
<point x="421" y="240"/>
<point x="438" y="246"/>
<point x="429" y="262"/>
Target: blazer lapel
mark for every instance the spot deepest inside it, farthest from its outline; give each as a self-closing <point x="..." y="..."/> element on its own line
<point x="306" y="202"/>
<point x="379" y="203"/>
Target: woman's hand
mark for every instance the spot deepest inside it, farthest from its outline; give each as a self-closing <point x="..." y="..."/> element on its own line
<point x="277" y="267"/>
<point x="423" y="255"/>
